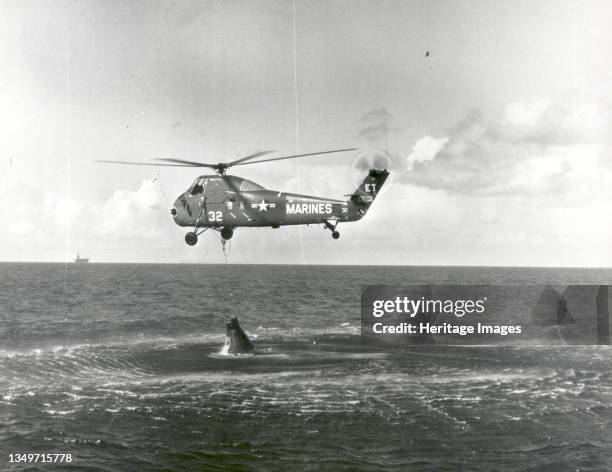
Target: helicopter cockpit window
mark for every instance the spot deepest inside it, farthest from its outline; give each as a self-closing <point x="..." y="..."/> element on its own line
<point x="198" y="187"/>
<point x="249" y="186"/>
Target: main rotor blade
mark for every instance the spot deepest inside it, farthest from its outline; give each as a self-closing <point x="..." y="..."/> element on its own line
<point x="297" y="155"/>
<point x="143" y="163"/>
<point x="187" y="163"/>
<point x="250" y="156"/>
<point x="222" y="166"/>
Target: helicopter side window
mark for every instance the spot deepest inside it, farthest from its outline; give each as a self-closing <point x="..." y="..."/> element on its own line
<point x="249" y="186"/>
<point x="198" y="187"/>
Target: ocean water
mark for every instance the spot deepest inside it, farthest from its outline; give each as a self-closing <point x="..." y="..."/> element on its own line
<point x="120" y="366"/>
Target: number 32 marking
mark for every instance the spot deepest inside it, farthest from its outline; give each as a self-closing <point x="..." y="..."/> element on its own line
<point x="215" y="216"/>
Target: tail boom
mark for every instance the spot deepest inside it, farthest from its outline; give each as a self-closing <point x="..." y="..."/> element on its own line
<point x="360" y="201"/>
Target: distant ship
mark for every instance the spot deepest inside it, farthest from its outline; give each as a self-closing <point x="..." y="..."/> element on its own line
<point x="81" y="260"/>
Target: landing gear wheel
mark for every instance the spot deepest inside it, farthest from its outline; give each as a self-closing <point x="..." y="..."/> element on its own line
<point x="227" y="232"/>
<point x="332" y="227"/>
<point x="191" y="238"/>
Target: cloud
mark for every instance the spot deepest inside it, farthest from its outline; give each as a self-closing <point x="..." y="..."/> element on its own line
<point x="24" y="207"/>
<point x="425" y="150"/>
<point x="129" y="214"/>
<point x="60" y="209"/>
<point x="563" y="122"/>
<point x="537" y="148"/>
<point x="39" y="214"/>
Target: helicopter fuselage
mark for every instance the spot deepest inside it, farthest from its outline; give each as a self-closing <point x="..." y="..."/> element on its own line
<point x="228" y="202"/>
<point x="258" y="208"/>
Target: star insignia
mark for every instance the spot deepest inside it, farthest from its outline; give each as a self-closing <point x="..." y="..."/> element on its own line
<point x="263" y="206"/>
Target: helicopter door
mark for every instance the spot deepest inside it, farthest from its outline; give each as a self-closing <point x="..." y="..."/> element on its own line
<point x="215" y="200"/>
<point x="215" y="191"/>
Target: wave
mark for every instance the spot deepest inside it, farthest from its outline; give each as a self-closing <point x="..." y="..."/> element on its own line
<point x="168" y="341"/>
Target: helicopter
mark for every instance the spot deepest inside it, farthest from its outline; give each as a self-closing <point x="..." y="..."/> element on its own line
<point x="222" y="202"/>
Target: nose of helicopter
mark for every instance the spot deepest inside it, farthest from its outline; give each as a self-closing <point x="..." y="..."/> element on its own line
<point x="176" y="213"/>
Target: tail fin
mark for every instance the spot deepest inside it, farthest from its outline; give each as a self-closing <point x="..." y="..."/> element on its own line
<point x="362" y="198"/>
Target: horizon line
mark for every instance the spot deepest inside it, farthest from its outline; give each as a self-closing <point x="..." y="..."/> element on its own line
<point x="306" y="264"/>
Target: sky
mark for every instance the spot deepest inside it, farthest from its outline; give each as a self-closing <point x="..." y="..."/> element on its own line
<point x="499" y="139"/>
